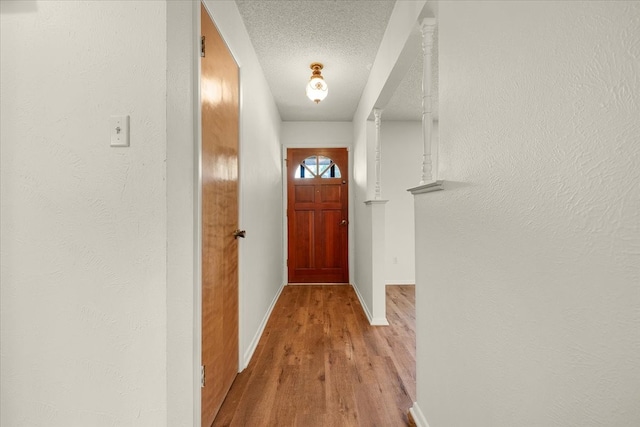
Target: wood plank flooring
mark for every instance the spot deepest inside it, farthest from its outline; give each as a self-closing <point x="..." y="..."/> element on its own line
<point x="320" y="363"/>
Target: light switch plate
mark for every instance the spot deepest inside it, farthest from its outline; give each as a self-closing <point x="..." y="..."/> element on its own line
<point x="119" y="131"/>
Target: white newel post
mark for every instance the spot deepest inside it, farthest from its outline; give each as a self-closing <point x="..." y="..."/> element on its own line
<point x="428" y="27"/>
<point x="377" y="113"/>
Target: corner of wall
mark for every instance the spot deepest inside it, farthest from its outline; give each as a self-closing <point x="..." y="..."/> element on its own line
<point x="365" y="307"/>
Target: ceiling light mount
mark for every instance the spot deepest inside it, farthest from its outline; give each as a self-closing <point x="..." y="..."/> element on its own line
<point x="316" y="68"/>
<point x="317" y="88"/>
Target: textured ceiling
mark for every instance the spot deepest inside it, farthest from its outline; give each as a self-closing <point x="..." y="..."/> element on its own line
<point x="406" y="102"/>
<point x="343" y="35"/>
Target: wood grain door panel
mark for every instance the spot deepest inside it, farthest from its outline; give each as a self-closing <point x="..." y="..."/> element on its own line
<point x="220" y="123"/>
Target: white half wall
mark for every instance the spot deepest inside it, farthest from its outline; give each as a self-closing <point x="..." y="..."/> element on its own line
<point x="529" y="260"/>
<point x="83" y="225"/>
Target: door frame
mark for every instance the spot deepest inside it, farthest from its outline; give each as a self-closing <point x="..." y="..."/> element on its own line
<point x="285" y="201"/>
<point x="183" y="340"/>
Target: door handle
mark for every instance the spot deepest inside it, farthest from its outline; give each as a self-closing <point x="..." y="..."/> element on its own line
<point x="343" y="222"/>
<point x="239" y="233"/>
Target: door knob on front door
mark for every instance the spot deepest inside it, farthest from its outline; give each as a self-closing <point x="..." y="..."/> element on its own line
<point x="239" y="233"/>
<point x="343" y="222"/>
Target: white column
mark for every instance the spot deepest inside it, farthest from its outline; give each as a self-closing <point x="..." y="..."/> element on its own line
<point x="428" y="27"/>
<point x="378" y="284"/>
<point x="377" y="113"/>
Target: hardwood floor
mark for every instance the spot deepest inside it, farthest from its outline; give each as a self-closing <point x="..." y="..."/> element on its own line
<point x="320" y="363"/>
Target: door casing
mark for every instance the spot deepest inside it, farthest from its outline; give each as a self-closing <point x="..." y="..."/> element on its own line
<point x="327" y="215"/>
<point x="285" y="201"/>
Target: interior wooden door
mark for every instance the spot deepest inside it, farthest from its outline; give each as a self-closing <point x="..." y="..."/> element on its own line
<point x="219" y="102"/>
<point x="317" y="213"/>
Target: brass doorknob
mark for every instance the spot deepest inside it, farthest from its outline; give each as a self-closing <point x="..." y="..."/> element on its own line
<point x="239" y="233"/>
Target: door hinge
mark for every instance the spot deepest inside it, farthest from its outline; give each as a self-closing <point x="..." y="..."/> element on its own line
<point x="202" y="46"/>
<point x="202" y="376"/>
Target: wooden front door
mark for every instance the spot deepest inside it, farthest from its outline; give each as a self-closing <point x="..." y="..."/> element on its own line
<point x="220" y="120"/>
<point x="317" y="213"/>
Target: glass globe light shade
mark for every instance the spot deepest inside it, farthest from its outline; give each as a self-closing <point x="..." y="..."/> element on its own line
<point x="317" y="89"/>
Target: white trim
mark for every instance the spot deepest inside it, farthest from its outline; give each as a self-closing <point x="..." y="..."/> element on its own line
<point x="285" y="212"/>
<point x="183" y="363"/>
<point x="418" y="416"/>
<point x="379" y="321"/>
<point x="400" y="282"/>
<point x="285" y="204"/>
<point x="241" y="220"/>
<point x="197" y="310"/>
<point x="375" y="202"/>
<point x="427" y="188"/>
<point x="256" y="339"/>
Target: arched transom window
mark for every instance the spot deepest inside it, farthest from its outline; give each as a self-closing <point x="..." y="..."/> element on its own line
<point x="318" y="166"/>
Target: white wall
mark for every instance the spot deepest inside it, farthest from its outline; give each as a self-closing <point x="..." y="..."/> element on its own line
<point x="401" y="169"/>
<point x="529" y="261"/>
<point x="89" y="232"/>
<point x="362" y="265"/>
<point x="83" y="225"/>
<point x="316" y="134"/>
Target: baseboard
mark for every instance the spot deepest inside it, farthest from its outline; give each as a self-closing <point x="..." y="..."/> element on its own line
<point x="418" y="416"/>
<point x="379" y="321"/>
<point x="362" y="304"/>
<point x="256" y="339"/>
<point x="400" y="282"/>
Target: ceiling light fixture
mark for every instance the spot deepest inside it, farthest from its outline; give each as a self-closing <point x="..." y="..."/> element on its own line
<point x="317" y="88"/>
